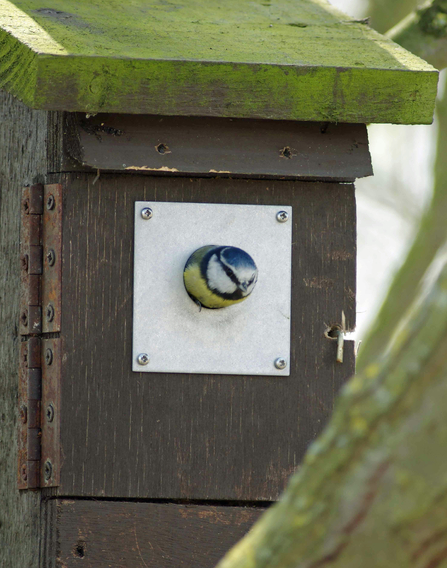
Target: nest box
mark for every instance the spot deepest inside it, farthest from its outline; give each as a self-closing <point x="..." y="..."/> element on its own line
<point x="152" y="429"/>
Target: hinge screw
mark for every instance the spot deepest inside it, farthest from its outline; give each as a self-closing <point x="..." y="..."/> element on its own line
<point x="24" y="318"/>
<point x="50" y="312"/>
<point x="143" y="359"/>
<point x="49" y="413"/>
<point x="24" y="473"/>
<point x="26" y="206"/>
<point x="146" y="213"/>
<point x="51" y="257"/>
<point x="48" y="356"/>
<point x="280" y="363"/>
<point x="282" y="216"/>
<point x="48" y="470"/>
<point x="50" y="202"/>
<point x="23" y="414"/>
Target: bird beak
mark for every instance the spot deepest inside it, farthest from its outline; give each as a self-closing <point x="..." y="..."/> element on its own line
<point x="244" y="286"/>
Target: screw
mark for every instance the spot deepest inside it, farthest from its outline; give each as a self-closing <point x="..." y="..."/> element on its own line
<point x="146" y="213"/>
<point x="143" y="359"/>
<point x="23" y="414"/>
<point x="280" y="363"/>
<point x="24" y="473"/>
<point x="49" y="413"/>
<point x="24" y="318"/>
<point x="51" y="257"/>
<point x="48" y="470"/>
<point x="50" y="313"/>
<point x="282" y="216"/>
<point x="48" y="356"/>
<point x="50" y="202"/>
<point x="26" y="206"/>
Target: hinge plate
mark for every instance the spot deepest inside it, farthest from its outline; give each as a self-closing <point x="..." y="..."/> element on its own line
<point x="40" y="357"/>
<point x="52" y="258"/>
<point x="51" y="372"/>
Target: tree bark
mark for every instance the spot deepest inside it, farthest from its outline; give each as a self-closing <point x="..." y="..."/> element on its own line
<point x="372" y="491"/>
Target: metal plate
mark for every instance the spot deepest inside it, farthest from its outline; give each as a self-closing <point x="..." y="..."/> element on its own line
<point x="243" y="339"/>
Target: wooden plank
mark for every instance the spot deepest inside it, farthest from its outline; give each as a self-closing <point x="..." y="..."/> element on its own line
<point x="150" y="144"/>
<point x="24" y="154"/>
<point x="283" y="60"/>
<point x="107" y="534"/>
<point x="217" y="437"/>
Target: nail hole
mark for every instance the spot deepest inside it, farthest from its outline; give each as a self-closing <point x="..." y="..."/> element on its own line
<point x="79" y="549"/>
<point x="163" y="149"/>
<point x="286" y="152"/>
<point x="333" y="331"/>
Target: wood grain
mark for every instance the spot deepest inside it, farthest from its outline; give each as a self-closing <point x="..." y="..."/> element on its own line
<point x="229" y="147"/>
<point x="24" y="155"/>
<point x="168" y="436"/>
<point x="100" y="534"/>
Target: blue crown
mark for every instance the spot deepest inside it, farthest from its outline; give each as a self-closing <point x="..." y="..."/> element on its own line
<point x="237" y="257"/>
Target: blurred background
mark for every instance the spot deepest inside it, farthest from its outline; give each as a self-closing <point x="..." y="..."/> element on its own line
<point x="389" y="204"/>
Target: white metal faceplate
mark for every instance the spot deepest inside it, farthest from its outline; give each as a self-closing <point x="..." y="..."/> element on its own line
<point x="243" y="339"/>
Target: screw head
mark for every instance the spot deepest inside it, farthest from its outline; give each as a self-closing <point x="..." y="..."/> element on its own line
<point x="280" y="363"/>
<point x="282" y="216"/>
<point x="24" y="318"/>
<point x="23" y="472"/>
<point x="49" y="413"/>
<point x="146" y="213"/>
<point x="143" y="359"/>
<point x="50" y="202"/>
<point x="51" y="257"/>
<point x="48" y="356"/>
<point x="48" y="470"/>
<point x="50" y="312"/>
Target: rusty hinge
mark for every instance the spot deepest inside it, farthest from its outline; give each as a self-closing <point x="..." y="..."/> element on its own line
<point x="40" y="257"/>
<point x="40" y="356"/>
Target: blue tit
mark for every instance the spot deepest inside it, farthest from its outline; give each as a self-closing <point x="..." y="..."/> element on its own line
<point x="219" y="276"/>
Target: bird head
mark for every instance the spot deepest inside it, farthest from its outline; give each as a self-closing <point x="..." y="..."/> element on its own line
<point x="231" y="272"/>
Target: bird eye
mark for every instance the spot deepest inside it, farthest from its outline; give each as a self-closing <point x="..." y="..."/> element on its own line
<point x="228" y="272"/>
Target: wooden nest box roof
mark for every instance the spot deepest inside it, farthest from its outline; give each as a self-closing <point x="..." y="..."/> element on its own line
<point x="271" y="59"/>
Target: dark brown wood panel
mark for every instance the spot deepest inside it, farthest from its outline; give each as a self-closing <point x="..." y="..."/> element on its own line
<point x="154" y="144"/>
<point x="104" y="534"/>
<point x="176" y="436"/>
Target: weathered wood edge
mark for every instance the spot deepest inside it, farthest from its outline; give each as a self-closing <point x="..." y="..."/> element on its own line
<point x="190" y="88"/>
<point x="218" y="146"/>
<point x="26" y="150"/>
<point x="104" y="533"/>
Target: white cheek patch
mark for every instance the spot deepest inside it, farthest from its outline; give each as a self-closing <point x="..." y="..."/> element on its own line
<point x="245" y="276"/>
<point x="217" y="279"/>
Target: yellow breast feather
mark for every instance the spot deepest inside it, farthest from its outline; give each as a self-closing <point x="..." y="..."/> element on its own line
<point x="196" y="284"/>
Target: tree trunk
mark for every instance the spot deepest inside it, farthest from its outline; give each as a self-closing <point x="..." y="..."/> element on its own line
<point x="372" y="490"/>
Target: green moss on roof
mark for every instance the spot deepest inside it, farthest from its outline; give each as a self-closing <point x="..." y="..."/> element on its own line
<point x="269" y="59"/>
